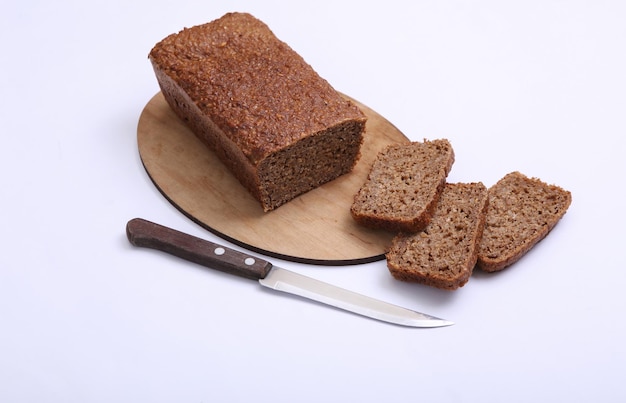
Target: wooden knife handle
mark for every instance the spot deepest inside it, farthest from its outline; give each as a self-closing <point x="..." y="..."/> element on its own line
<point x="147" y="234"/>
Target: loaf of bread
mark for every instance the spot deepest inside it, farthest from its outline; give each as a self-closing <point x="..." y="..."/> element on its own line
<point x="403" y="186"/>
<point x="444" y="254"/>
<point x="522" y="211"/>
<point x="270" y="118"/>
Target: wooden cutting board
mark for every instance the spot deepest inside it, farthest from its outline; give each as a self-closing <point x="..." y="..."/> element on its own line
<point x="314" y="228"/>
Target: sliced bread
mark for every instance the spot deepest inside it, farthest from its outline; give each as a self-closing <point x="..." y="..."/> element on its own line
<point x="444" y="254"/>
<point x="522" y="211"/>
<point x="403" y="186"/>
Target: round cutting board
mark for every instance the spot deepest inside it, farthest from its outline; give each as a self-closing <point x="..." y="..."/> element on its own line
<point x="315" y="227"/>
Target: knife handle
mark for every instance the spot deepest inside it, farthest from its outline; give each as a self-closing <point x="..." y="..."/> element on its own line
<point x="147" y="234"/>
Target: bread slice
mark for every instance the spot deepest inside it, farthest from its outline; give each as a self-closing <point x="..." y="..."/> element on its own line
<point x="445" y="253"/>
<point x="403" y="186"/>
<point x="279" y="127"/>
<point x="522" y="211"/>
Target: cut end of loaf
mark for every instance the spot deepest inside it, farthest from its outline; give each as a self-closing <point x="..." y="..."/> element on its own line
<point x="310" y="163"/>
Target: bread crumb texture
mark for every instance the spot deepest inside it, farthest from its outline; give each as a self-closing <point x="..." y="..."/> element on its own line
<point x="403" y="186"/>
<point x="521" y="212"/>
<point x="444" y="254"/>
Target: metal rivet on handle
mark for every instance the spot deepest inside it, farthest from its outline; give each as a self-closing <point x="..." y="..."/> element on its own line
<point x="219" y="251"/>
<point x="249" y="261"/>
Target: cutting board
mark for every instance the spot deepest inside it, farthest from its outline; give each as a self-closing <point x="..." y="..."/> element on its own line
<point x="314" y="228"/>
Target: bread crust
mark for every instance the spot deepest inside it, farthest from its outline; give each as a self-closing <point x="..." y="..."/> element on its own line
<point x="253" y="100"/>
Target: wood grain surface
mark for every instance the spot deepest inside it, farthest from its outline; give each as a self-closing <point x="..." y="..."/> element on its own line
<point x="314" y="228"/>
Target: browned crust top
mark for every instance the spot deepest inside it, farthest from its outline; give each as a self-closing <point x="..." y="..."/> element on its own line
<point x="260" y="92"/>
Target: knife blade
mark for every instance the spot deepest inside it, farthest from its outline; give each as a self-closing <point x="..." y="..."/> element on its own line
<point x="144" y="233"/>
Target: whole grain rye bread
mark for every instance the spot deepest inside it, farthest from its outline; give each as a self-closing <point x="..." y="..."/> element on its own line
<point x="444" y="254"/>
<point x="522" y="211"/>
<point x="278" y="126"/>
<point x="403" y="186"/>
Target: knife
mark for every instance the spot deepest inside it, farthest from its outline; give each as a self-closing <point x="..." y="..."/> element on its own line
<point x="147" y="234"/>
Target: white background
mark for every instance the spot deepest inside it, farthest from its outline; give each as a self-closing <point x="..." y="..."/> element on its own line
<point x="537" y="86"/>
